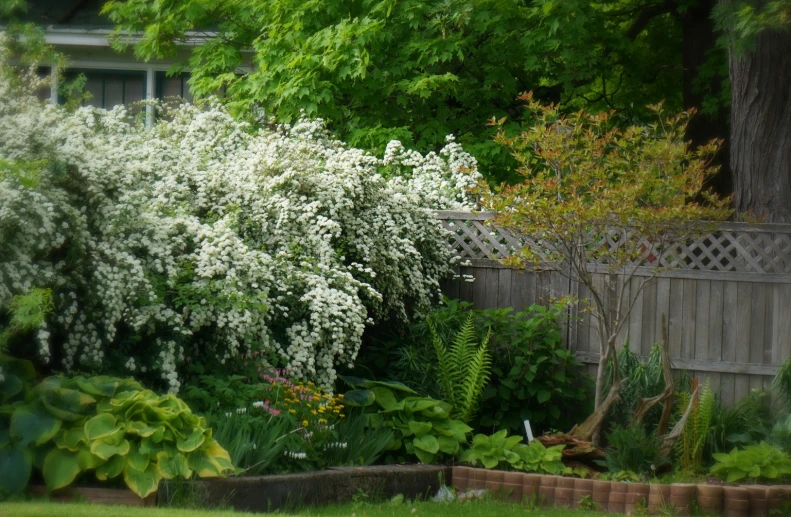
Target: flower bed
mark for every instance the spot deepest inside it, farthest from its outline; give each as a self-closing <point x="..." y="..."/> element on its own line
<point x="619" y="497"/>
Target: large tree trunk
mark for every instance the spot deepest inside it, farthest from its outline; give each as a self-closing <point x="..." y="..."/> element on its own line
<point x="699" y="50"/>
<point x="761" y="127"/>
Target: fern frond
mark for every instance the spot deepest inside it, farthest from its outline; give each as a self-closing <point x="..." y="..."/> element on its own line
<point x="464" y="368"/>
<point x="472" y="385"/>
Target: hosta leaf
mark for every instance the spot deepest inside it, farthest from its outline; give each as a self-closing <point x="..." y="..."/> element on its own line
<point x="33" y="425"/>
<point x="137" y="460"/>
<point x="75" y="437"/>
<point x="106" y="450"/>
<point x="489" y="462"/>
<point x="100" y="426"/>
<point x="171" y="467"/>
<point x="448" y="445"/>
<point x="419" y="428"/>
<point x="386" y="399"/>
<point x="15" y="468"/>
<point x="87" y="460"/>
<point x="142" y="483"/>
<point x="769" y="472"/>
<point x="428" y="443"/>
<point x="220" y="456"/>
<point x="10" y="387"/>
<point x="735" y="475"/>
<point x="424" y="457"/>
<point x="101" y="386"/>
<point x="359" y="398"/>
<point x="191" y="442"/>
<point x="61" y="467"/>
<point x="203" y="464"/>
<point x="112" y="468"/>
<point x="136" y="427"/>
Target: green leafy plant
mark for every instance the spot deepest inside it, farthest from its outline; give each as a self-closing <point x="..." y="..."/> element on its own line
<point x="464" y="368"/>
<point x="421" y="426"/>
<point x="112" y="427"/>
<point x="781" y="383"/>
<point x="757" y="462"/>
<point x="500" y="450"/>
<point x="744" y="423"/>
<point x="643" y="379"/>
<point x="632" y="449"/>
<point x="697" y="429"/>
<point x="207" y="393"/>
<point x="534" y="377"/>
<point x="254" y="442"/>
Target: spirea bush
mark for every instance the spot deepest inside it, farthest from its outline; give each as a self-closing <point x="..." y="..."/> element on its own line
<point x="202" y="236"/>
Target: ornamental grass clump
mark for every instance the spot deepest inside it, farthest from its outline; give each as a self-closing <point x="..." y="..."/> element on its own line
<point x="203" y="236"/>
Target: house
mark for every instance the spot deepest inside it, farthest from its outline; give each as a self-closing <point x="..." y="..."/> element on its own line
<point x="78" y="30"/>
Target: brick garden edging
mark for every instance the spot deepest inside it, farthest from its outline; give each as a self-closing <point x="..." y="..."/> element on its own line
<point x="618" y="497"/>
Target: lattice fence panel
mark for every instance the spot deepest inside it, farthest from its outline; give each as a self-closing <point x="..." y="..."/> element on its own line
<point x="733" y="247"/>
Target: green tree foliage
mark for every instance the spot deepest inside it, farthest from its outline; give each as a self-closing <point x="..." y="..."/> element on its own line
<point x="415" y="70"/>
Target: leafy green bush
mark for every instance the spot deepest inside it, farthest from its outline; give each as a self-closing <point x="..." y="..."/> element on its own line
<point x="206" y="393"/>
<point x="744" y="423"/>
<point x="533" y="376"/>
<point x="422" y="426"/>
<point x="756" y="462"/>
<point x="499" y="450"/>
<point x="632" y="449"/>
<point x="113" y="427"/>
<point x="464" y="368"/>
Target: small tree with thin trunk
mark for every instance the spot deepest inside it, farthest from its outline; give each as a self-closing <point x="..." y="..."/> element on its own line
<point x="601" y="203"/>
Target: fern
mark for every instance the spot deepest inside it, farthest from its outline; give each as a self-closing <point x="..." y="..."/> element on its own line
<point x="464" y="368"/>
<point x="696" y="430"/>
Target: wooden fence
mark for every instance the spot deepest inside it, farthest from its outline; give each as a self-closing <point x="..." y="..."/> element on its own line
<point x="727" y="298"/>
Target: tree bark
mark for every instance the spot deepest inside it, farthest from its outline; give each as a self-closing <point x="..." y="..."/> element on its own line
<point x="761" y="127"/>
<point x="699" y="50"/>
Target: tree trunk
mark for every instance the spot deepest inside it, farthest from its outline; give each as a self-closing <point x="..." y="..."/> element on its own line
<point x="761" y="127"/>
<point x="700" y="51"/>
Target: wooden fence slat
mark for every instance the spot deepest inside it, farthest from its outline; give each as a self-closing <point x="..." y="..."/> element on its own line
<point x="687" y="331"/>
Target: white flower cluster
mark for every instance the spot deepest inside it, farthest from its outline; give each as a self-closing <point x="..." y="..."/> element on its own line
<point x="201" y="237"/>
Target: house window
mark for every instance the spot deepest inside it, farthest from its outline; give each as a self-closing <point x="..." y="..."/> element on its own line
<point x="169" y="87"/>
<point x="109" y="88"/>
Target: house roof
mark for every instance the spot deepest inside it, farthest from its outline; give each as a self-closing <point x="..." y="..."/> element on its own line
<point x="75" y="14"/>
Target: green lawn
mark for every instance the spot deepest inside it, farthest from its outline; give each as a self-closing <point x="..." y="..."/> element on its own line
<point x="468" y="509"/>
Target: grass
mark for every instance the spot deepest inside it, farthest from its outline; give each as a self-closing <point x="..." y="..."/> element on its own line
<point x="484" y="508"/>
<point x="43" y="509"/>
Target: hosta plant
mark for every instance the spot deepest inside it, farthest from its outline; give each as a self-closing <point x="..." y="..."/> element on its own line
<point x="66" y="427"/>
<point x="757" y="462"/>
<point x="421" y="426"/>
<point x="502" y="450"/>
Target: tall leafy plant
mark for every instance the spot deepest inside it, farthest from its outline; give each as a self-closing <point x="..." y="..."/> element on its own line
<point x="697" y="430"/>
<point x="464" y="368"/>
<point x="597" y="194"/>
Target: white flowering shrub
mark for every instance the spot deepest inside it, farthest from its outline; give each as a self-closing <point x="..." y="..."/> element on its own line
<point x="200" y="236"/>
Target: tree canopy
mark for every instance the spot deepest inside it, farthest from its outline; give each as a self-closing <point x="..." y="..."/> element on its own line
<point x="417" y="70"/>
